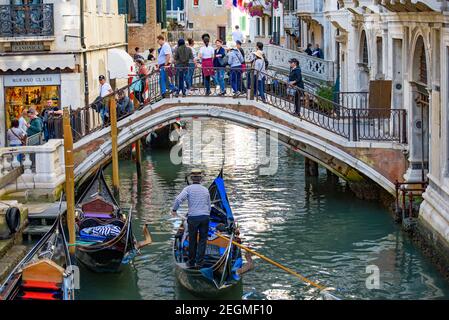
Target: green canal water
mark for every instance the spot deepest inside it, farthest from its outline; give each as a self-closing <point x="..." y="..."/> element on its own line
<point x="312" y="225"/>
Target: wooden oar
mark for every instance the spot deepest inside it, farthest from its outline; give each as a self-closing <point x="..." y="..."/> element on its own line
<point x="274" y="263"/>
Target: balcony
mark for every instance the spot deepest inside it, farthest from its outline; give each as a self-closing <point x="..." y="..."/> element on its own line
<point x="178" y="16"/>
<point x="32" y="20"/>
<point x="305" y="7"/>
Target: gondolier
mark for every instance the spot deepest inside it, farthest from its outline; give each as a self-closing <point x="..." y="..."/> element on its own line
<point x="198" y="199"/>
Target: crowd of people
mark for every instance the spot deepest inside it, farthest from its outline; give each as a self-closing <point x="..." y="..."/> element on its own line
<point x="215" y="61"/>
<point x="32" y="124"/>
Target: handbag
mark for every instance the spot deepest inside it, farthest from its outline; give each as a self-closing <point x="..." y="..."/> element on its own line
<point x="22" y="138"/>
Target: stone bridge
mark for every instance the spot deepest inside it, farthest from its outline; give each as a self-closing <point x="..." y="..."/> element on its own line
<point x="365" y="147"/>
<point x="358" y="162"/>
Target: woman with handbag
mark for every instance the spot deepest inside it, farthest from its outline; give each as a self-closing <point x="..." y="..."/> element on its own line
<point x="16" y="137"/>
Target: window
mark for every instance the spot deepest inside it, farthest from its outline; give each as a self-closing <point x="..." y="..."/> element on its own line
<point x="364" y="49"/>
<point x="219" y="3"/>
<point x="99" y="6"/>
<point x="190" y="25"/>
<point x="270" y="26"/>
<point x="263" y="26"/>
<point x="196" y="3"/>
<point x="243" y="23"/>
<point x="258" y="26"/>
<point x="134" y="9"/>
<point x="108" y="7"/>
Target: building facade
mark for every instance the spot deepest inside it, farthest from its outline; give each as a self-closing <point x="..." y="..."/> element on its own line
<point x="55" y="50"/>
<point x="401" y="47"/>
<point x="146" y="19"/>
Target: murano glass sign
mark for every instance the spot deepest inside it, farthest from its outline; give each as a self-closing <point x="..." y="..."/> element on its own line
<point x="32" y="80"/>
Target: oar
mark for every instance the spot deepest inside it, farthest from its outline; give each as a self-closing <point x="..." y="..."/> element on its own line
<point x="275" y="263"/>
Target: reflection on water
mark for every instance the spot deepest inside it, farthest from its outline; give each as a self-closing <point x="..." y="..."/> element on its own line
<point x="311" y="225"/>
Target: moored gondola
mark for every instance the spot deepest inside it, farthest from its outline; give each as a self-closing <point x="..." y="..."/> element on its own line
<point x="219" y="274"/>
<point x="104" y="235"/>
<point x="46" y="272"/>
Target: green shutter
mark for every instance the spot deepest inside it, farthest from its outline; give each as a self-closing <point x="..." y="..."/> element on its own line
<point x="122" y="7"/>
<point x="142" y="11"/>
<point x="243" y="23"/>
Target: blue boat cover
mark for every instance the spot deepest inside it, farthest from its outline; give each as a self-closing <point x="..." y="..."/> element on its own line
<point x="224" y="199"/>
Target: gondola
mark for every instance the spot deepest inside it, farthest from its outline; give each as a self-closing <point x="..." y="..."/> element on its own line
<point x="104" y="235"/>
<point x="219" y="273"/>
<point x="46" y="272"/>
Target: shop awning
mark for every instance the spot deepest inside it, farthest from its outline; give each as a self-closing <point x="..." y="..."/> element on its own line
<point x="35" y="62"/>
<point x="120" y="64"/>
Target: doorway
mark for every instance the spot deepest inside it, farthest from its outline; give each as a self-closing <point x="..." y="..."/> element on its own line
<point x="222" y="33"/>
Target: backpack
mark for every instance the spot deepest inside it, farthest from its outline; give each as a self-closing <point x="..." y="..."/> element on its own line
<point x="266" y="61"/>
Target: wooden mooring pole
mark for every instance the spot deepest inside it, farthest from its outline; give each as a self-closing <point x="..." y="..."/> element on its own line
<point x="115" y="175"/>
<point x="139" y="158"/>
<point x="69" y="178"/>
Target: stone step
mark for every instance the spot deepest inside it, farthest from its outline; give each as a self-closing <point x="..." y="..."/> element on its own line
<point x="10" y="260"/>
<point x="44" y="214"/>
<point x="34" y="232"/>
<point x="20" y="196"/>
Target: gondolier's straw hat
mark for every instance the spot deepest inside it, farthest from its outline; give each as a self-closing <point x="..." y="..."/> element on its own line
<point x="196" y="172"/>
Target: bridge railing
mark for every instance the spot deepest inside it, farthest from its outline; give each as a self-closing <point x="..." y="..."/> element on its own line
<point x="352" y="123"/>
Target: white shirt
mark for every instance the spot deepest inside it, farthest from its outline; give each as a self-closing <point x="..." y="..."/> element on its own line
<point x="198" y="198"/>
<point x="237" y="35"/>
<point x="23" y="124"/>
<point x="104" y="89"/>
<point x="207" y="52"/>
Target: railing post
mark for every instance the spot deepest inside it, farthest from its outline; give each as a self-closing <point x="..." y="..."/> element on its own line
<point x="404" y="127"/>
<point x="115" y="175"/>
<point x="252" y="85"/>
<point x="354" y="125"/>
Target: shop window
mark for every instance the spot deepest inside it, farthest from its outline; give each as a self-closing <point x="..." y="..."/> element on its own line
<point x="18" y="99"/>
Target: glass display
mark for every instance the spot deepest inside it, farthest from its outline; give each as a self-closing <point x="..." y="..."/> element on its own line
<point x="19" y="98"/>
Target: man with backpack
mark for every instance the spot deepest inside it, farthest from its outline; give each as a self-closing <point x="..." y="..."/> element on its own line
<point x="183" y="55"/>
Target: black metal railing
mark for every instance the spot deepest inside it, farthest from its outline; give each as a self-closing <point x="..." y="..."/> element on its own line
<point x="356" y="100"/>
<point x="26" y="20"/>
<point x="354" y="124"/>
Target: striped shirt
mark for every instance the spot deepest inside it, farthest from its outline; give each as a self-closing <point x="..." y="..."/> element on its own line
<point x="198" y="198"/>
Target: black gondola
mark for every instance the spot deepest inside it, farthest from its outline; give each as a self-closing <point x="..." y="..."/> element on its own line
<point x="46" y="272"/>
<point x="112" y="242"/>
<point x="219" y="273"/>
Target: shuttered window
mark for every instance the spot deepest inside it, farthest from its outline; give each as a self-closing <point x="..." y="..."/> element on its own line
<point x="122" y="6"/>
<point x="142" y="16"/>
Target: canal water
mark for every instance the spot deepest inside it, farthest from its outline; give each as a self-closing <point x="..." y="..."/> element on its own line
<point x="314" y="226"/>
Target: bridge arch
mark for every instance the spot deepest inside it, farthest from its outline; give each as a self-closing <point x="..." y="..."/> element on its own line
<point x="357" y="162"/>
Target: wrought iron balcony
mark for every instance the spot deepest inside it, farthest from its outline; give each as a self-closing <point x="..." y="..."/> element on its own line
<point x="26" y="20"/>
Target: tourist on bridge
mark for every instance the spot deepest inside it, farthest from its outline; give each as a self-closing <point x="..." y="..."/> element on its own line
<point x="105" y="89"/>
<point x="206" y="55"/>
<point x="151" y="56"/>
<point x="137" y="55"/>
<point x="163" y="61"/>
<point x="124" y="104"/>
<point x="235" y="60"/>
<point x="237" y="35"/>
<point x="16" y="137"/>
<point x="238" y="45"/>
<point x="259" y="68"/>
<point x="142" y="73"/>
<point x="47" y="117"/>
<point x="295" y="79"/>
<point x="317" y="52"/>
<point x="219" y="65"/>
<point x="309" y="49"/>
<point x="191" y="71"/>
<point x="199" y="202"/>
<point x="182" y="57"/>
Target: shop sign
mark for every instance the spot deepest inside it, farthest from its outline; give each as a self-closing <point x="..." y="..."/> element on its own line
<point x="32" y="80"/>
<point x="27" y="46"/>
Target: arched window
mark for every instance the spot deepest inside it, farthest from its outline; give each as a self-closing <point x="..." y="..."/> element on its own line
<point x="364" y="49"/>
<point x="419" y="62"/>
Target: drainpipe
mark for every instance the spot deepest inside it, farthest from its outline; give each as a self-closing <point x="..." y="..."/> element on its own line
<point x="83" y="48"/>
